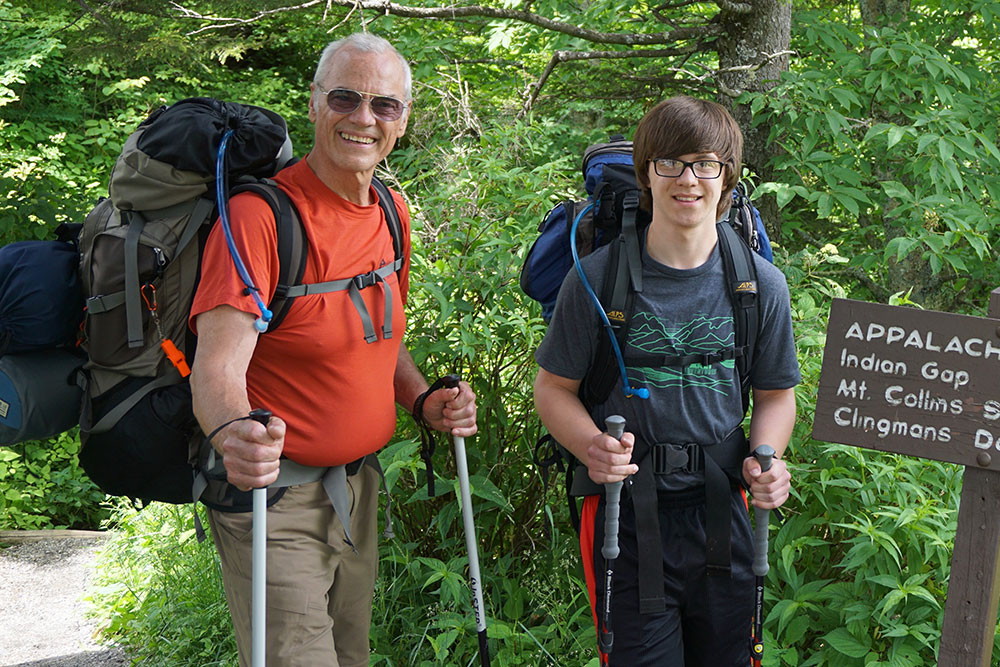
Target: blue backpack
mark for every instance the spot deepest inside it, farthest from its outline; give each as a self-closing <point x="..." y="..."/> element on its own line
<point x="612" y="212"/>
<point x="608" y="176"/>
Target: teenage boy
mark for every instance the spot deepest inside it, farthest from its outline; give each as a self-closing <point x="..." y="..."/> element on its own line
<point x="687" y="156"/>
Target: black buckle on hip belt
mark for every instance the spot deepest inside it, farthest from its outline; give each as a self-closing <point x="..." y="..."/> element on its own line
<point x="668" y="458"/>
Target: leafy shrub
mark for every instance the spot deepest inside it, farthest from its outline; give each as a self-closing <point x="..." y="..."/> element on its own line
<point x="43" y="486"/>
<point x="158" y="591"/>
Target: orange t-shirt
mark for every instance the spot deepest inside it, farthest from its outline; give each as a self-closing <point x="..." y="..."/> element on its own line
<point x="315" y="371"/>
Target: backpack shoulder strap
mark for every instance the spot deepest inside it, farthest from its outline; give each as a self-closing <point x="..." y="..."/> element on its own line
<point x="293" y="246"/>
<point x="388" y="205"/>
<point x="617" y="295"/>
<point x="741" y="285"/>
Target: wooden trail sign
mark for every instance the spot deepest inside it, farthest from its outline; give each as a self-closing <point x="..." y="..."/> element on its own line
<point x="927" y="384"/>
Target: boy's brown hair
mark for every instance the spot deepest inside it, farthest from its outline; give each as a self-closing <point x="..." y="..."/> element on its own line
<point x="682" y="125"/>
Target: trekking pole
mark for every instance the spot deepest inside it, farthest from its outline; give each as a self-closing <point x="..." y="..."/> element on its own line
<point x="475" y="583"/>
<point x="763" y="454"/>
<point x="612" y="494"/>
<point x="258" y="629"/>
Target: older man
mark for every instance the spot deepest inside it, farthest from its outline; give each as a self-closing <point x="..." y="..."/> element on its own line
<point x="331" y="390"/>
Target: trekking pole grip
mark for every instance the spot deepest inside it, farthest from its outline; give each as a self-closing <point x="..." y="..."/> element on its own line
<point x="764" y="454"/>
<point x="612" y="491"/>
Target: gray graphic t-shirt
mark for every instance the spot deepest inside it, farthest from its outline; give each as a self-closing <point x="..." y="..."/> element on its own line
<point x="678" y="313"/>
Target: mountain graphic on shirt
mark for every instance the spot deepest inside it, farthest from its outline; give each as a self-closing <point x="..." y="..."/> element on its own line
<point x="700" y="335"/>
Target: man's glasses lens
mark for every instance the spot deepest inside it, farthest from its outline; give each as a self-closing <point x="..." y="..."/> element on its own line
<point x="705" y="169"/>
<point x="343" y="100"/>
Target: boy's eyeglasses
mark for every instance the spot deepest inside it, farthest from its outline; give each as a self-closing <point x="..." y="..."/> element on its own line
<point x="345" y="100"/>
<point x="703" y="169"/>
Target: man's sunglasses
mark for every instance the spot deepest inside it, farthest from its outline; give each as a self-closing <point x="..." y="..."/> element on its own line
<point x="345" y="100"/>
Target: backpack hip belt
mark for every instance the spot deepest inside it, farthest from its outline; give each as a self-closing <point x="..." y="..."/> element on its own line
<point x="722" y="463"/>
<point x="333" y="478"/>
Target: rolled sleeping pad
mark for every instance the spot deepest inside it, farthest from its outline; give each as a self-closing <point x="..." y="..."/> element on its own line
<point x="39" y="397"/>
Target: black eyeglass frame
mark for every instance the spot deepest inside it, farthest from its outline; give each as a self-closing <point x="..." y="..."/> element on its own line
<point x="361" y="97"/>
<point x="685" y="165"/>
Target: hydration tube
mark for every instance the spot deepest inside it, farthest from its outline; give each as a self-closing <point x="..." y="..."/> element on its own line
<point x="628" y="390"/>
<point x="222" y="198"/>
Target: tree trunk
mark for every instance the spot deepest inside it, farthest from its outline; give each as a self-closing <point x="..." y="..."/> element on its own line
<point x="754" y="38"/>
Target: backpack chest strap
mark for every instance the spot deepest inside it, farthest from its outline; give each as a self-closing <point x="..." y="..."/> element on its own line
<point x="354" y="286"/>
<point x="637" y="358"/>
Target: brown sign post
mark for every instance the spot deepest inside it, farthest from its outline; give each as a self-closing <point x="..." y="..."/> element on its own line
<point x="927" y="384"/>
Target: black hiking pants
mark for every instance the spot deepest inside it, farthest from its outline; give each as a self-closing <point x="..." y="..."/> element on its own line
<point x="707" y="621"/>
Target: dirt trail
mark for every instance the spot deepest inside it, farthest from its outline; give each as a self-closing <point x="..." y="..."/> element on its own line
<point x="43" y="576"/>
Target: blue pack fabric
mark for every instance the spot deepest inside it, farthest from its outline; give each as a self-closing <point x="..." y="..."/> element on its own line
<point x="39" y="396"/>
<point x="41" y="300"/>
<point x="608" y="174"/>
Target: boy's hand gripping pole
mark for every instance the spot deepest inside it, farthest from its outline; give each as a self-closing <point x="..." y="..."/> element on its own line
<point x="475" y="582"/>
<point x="258" y="620"/>
<point x="612" y="493"/>
<point x="764" y="454"/>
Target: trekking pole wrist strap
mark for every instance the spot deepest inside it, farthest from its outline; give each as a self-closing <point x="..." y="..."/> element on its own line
<point x="216" y="431"/>
<point x="427" y="438"/>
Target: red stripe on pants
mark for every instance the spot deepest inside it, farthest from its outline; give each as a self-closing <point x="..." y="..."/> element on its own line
<point x="588" y="517"/>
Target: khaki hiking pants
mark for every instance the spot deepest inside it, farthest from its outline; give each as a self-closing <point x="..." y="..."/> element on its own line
<point x="319" y="592"/>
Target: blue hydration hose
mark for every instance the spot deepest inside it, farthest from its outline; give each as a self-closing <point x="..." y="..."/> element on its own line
<point x="629" y="391"/>
<point x="222" y="198"/>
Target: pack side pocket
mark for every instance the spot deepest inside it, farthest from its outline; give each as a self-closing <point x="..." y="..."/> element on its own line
<point x="106" y="330"/>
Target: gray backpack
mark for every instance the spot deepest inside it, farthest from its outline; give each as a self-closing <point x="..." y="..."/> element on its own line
<point x="140" y="260"/>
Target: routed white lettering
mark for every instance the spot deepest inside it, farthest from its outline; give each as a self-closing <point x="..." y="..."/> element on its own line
<point x="984" y="439"/>
<point x="914" y="340"/>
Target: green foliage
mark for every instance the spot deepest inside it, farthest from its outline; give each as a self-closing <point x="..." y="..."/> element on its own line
<point x="884" y="142"/>
<point x="859" y="567"/>
<point x="158" y="591"/>
<point x="42" y="486"/>
<point x="474" y="210"/>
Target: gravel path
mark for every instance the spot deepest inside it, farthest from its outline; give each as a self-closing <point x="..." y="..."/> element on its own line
<point x="42" y="615"/>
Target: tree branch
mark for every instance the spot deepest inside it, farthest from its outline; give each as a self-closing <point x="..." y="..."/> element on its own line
<point x="466" y="11"/>
<point x="568" y="56"/>
<point x="218" y="23"/>
<point x="97" y="15"/>
<point x="729" y="92"/>
<point x="734" y="7"/>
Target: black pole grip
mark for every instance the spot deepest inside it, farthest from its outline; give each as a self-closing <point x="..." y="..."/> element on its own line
<point x="612" y="490"/>
<point x="764" y="454"/>
<point x="260" y="415"/>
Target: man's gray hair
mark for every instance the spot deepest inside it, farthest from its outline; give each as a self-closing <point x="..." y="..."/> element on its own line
<point x="369" y="43"/>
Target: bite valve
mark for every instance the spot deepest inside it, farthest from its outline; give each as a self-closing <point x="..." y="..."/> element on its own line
<point x="260" y="324"/>
<point x="637" y="392"/>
